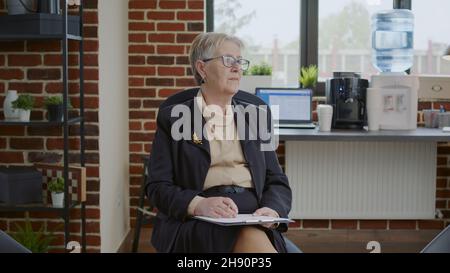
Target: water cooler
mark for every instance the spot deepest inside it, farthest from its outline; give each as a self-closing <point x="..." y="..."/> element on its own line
<point x="393" y="95"/>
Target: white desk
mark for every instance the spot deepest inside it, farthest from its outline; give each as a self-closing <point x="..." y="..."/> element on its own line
<point x="351" y="174"/>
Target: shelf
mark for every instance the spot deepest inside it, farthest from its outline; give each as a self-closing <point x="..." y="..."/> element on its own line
<point x="41" y="26"/>
<point x="35" y="207"/>
<point x="419" y="135"/>
<point x="12" y="37"/>
<point x="39" y="123"/>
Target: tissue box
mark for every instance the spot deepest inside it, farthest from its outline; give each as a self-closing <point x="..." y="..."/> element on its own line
<point x="20" y="185"/>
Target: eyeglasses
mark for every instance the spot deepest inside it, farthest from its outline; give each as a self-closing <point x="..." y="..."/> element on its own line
<point x="230" y="61"/>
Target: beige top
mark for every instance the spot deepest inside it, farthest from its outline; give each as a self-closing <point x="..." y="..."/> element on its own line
<point x="228" y="164"/>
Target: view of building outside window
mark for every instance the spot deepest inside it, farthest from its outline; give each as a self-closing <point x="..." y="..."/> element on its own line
<point x="431" y="36"/>
<point x="270" y="30"/>
<point x="345" y="36"/>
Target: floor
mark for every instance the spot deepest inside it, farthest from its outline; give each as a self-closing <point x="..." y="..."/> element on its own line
<point x="332" y="241"/>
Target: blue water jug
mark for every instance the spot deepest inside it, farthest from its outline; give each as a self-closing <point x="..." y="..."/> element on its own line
<point x="392" y="40"/>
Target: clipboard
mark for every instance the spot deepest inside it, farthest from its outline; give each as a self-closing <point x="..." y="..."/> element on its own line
<point x="244" y="219"/>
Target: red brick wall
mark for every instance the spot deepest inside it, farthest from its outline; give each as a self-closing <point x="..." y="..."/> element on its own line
<point x="442" y="172"/>
<point x="35" y="67"/>
<point x="159" y="36"/>
<point x="160" y="33"/>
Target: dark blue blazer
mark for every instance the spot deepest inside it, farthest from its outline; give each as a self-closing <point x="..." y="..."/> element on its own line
<point x="178" y="169"/>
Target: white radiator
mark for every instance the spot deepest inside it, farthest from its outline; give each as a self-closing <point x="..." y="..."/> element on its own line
<point x="362" y="180"/>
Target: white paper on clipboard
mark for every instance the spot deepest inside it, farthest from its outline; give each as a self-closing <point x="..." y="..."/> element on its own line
<point x="243" y="219"/>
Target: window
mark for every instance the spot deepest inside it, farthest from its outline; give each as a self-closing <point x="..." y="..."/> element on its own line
<point x="344" y="36"/>
<point x="270" y="30"/>
<point x="431" y="36"/>
<point x="336" y="35"/>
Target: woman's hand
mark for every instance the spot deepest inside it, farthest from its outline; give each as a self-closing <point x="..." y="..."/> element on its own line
<point x="265" y="211"/>
<point x="216" y="207"/>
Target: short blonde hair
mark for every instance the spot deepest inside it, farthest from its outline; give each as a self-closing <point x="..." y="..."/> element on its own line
<point x="204" y="46"/>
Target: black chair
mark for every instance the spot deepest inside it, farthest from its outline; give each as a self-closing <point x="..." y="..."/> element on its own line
<point x="9" y="245"/>
<point x="440" y="243"/>
<point x="146" y="215"/>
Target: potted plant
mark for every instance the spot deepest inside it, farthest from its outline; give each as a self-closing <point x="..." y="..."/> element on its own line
<point x="24" y="104"/>
<point x="257" y="76"/>
<point x="308" y="77"/>
<point x="35" y="241"/>
<point x="56" y="187"/>
<point x="54" y="105"/>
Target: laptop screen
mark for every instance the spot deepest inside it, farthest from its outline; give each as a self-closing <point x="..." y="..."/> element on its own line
<point x="294" y="104"/>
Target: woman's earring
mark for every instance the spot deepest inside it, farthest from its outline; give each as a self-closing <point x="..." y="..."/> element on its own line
<point x="203" y="81"/>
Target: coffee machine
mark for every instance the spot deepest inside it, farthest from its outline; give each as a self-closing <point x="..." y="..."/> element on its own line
<point x="346" y="92"/>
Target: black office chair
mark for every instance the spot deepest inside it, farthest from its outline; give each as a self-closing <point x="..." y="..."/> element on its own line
<point x="440" y="243"/>
<point x="9" y="245"/>
<point x="146" y="215"/>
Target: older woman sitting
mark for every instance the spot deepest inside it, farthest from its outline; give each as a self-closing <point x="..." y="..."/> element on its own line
<point x="217" y="171"/>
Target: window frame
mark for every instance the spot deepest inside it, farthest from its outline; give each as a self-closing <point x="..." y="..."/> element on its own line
<point x="209" y="15"/>
<point x="309" y="32"/>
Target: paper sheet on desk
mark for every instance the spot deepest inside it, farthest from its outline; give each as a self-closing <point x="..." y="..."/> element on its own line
<point x="243" y="219"/>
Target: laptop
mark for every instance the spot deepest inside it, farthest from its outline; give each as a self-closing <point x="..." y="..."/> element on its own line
<point x="294" y="106"/>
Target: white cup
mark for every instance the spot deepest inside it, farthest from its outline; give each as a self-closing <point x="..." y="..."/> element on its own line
<point x="373" y="118"/>
<point x="374" y="108"/>
<point x="325" y="115"/>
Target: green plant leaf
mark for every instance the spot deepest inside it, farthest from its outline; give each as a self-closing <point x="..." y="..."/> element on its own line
<point x="24" y="101"/>
<point x="56" y="185"/>
<point x="308" y="76"/>
<point x="55" y="100"/>
<point x="36" y="241"/>
<point x="261" y="69"/>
